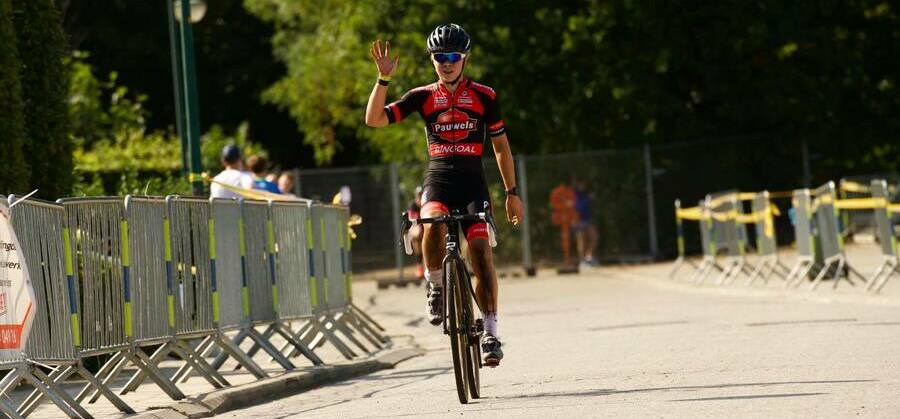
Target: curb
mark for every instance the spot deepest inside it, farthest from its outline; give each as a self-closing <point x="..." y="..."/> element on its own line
<point x="290" y="383"/>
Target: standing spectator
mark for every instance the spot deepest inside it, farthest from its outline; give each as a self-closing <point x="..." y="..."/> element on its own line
<point x="286" y="183"/>
<point x="346" y="195"/>
<point x="585" y="231"/>
<point x="233" y="174"/>
<point x="259" y="166"/>
<point x="562" y="202"/>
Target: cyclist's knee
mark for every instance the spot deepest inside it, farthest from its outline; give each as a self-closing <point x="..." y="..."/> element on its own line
<point x="434" y="232"/>
<point x="480" y="249"/>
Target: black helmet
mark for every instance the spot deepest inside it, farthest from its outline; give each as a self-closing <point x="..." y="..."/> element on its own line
<point x="448" y="38"/>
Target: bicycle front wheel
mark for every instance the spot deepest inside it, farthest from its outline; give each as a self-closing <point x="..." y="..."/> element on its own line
<point x="473" y="344"/>
<point x="458" y="341"/>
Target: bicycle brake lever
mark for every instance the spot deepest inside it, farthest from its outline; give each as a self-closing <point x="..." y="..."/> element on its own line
<point x="407" y="243"/>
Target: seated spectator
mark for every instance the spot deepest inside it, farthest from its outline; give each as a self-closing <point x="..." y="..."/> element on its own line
<point x="233" y="174"/>
<point x="286" y="183"/>
<point x="259" y="166"/>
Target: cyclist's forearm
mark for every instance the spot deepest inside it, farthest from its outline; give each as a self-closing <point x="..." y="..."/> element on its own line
<point x="375" y="115"/>
<point x="505" y="161"/>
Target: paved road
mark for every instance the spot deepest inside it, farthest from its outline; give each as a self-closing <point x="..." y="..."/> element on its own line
<point x="617" y="342"/>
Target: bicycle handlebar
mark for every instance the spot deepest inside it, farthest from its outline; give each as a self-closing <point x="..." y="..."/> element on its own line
<point x="447" y="219"/>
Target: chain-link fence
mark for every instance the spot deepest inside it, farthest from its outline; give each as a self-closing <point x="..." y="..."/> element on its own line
<point x="630" y="195"/>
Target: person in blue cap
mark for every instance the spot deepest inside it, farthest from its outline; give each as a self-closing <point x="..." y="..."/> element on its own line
<point x="233" y="174"/>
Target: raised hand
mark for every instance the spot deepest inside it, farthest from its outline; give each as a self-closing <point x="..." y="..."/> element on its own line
<point x="382" y="58"/>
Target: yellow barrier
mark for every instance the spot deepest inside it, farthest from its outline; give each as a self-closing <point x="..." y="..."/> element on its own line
<point x="845" y="185"/>
<point x="748" y="196"/>
<point x="851" y="186"/>
<point x="251" y="193"/>
<point x="855" y="204"/>
<point x="692" y="213"/>
<point x="696" y="214"/>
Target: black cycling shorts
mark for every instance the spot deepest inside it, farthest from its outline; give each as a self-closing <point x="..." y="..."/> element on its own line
<point x="449" y="197"/>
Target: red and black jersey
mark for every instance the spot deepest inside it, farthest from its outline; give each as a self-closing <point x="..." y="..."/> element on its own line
<point x="456" y="124"/>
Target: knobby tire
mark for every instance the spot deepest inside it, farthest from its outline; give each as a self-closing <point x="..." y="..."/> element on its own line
<point x="473" y="347"/>
<point x="458" y="340"/>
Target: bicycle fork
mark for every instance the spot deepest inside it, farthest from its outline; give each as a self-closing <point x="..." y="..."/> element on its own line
<point x="451" y="256"/>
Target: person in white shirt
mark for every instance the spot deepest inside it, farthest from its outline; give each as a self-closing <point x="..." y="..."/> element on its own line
<point x="233" y="174"/>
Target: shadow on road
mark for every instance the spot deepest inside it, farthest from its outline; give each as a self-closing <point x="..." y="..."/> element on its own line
<point x="792" y="322"/>
<point x="607" y="392"/>
<point x="637" y="325"/>
<point x="756" y="396"/>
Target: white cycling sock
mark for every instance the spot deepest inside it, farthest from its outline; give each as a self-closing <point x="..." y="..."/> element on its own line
<point x="434" y="277"/>
<point x="490" y="323"/>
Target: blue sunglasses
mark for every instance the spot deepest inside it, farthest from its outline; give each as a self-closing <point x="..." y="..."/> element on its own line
<point x="451" y="57"/>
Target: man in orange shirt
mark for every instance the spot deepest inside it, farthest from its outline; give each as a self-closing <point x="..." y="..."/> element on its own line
<point x="562" y="201"/>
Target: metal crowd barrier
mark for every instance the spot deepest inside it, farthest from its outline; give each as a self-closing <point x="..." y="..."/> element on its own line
<point x="337" y="277"/>
<point x="817" y="228"/>
<point x="724" y="209"/>
<point x="327" y="304"/>
<point x="188" y="278"/>
<point x="296" y="257"/>
<point x="287" y="225"/>
<point x="766" y="245"/>
<point x="681" y="259"/>
<point x="832" y="242"/>
<point x="258" y="281"/>
<point x="113" y="276"/>
<point x="54" y="338"/>
<point x="803" y="233"/>
<point x="124" y="291"/>
<point x="327" y="241"/>
<point x="884" y="229"/>
<point x="230" y="294"/>
<point x="738" y="239"/>
<point x="854" y="222"/>
<point x="708" y="244"/>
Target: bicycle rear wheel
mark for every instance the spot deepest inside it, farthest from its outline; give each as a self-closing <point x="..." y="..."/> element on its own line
<point x="458" y="341"/>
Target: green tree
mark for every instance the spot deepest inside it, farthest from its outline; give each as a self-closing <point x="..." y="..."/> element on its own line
<point x="325" y="47"/>
<point x="589" y="74"/>
<point x="45" y="83"/>
<point x="234" y="65"/>
<point x="13" y="170"/>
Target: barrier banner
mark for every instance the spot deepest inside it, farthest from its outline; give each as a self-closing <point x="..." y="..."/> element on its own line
<point x="16" y="292"/>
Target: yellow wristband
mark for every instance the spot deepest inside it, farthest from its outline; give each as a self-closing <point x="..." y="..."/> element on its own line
<point x="383" y="77"/>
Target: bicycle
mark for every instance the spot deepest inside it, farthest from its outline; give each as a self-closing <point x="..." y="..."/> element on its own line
<point x="459" y="319"/>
